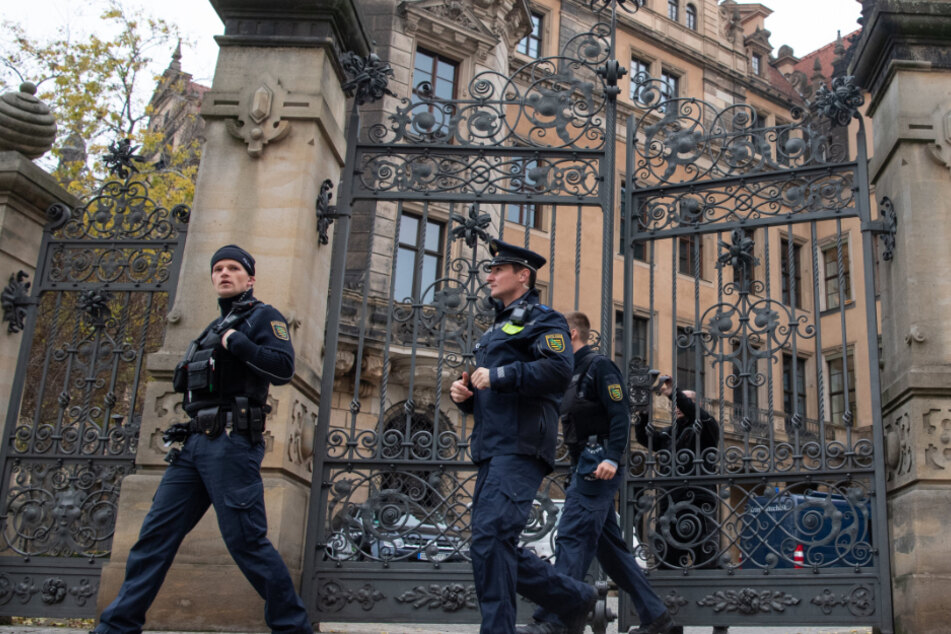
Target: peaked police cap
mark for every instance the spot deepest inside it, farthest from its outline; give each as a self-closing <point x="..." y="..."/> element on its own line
<point x="505" y="253"/>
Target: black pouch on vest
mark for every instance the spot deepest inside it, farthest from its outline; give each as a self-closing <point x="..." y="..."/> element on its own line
<point x="201" y="370"/>
<point x="180" y="378"/>
<point x="210" y="422"/>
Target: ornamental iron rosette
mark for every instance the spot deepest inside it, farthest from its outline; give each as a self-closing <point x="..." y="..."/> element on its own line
<point x="367" y="77"/>
<point x="121" y="158"/>
<point x="841" y="103"/>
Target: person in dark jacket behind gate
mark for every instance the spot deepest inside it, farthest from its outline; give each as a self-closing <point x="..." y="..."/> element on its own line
<point x="596" y="417"/>
<point x="686" y="534"/>
<point x="523" y="365"/>
<point x="225" y="378"/>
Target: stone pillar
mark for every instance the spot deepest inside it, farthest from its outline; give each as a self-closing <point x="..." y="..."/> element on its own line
<point x="275" y="119"/>
<point x="26" y="192"/>
<point x="904" y="60"/>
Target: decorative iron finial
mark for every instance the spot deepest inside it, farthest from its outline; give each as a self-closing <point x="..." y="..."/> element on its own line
<point x="366" y="77"/>
<point x="841" y="103"/>
<point x="120" y="157"/>
<point x="471" y="229"/>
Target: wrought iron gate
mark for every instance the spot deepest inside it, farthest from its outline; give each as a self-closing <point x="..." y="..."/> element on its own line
<point x="428" y="185"/>
<point x="780" y="517"/>
<point x="105" y="278"/>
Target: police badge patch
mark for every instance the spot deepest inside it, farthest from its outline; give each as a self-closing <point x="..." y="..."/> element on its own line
<point x="614" y="391"/>
<point x="280" y="330"/>
<point x="555" y="342"/>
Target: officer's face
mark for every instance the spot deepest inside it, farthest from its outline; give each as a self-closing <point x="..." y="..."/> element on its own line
<point x="505" y="284"/>
<point x="230" y="278"/>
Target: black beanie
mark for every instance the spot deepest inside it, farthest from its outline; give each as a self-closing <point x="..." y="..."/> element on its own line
<point x="234" y="252"/>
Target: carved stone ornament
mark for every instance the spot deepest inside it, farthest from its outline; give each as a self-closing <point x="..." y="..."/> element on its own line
<point x="451" y="23"/>
<point x="940" y="150"/>
<point x="937" y="424"/>
<point x="899" y="457"/>
<point x="261" y="113"/>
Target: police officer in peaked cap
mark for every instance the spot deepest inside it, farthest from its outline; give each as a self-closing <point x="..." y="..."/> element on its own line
<point x="225" y="377"/>
<point x="523" y="365"/>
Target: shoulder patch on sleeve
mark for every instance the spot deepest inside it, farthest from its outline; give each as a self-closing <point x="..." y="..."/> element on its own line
<point x="615" y="392"/>
<point x="543" y="307"/>
<point x="280" y="330"/>
<point x="555" y="342"/>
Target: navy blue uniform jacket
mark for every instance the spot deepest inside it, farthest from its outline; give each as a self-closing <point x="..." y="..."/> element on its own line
<point x="259" y="354"/>
<point x="604" y="385"/>
<point x="529" y="372"/>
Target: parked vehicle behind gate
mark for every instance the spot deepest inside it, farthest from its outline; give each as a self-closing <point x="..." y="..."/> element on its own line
<point x="804" y="530"/>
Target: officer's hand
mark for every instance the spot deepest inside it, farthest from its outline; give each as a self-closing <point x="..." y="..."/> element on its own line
<point x="481" y="379"/>
<point x="459" y="390"/>
<point x="224" y="337"/>
<point x="605" y="471"/>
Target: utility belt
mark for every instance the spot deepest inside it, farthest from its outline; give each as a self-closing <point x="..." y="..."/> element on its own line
<point x="242" y="418"/>
<point x="576" y="448"/>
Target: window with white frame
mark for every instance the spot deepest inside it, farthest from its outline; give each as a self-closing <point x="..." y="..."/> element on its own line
<point x="841" y="386"/>
<point x="673" y="9"/>
<point x="690" y="12"/>
<point x="837" y="283"/>
<point x="531" y="44"/>
<point x="423" y="240"/>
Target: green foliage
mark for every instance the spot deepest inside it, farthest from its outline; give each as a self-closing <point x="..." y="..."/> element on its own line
<point x="98" y="86"/>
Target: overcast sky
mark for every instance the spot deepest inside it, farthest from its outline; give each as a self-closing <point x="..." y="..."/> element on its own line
<point x="803" y="24"/>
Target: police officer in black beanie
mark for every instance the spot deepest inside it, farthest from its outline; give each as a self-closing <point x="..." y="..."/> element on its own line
<point x="225" y="378"/>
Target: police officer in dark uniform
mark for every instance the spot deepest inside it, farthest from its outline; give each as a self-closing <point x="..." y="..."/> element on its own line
<point x="523" y="367"/>
<point x="225" y="378"/>
<point x="596" y="418"/>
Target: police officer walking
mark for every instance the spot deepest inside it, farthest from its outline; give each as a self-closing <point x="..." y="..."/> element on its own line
<point x="225" y="378"/>
<point x="596" y="418"/>
<point x="523" y="367"/>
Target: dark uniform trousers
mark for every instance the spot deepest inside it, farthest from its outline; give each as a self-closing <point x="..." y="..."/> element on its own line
<point x="588" y="527"/>
<point x="501" y="504"/>
<point x="223" y="472"/>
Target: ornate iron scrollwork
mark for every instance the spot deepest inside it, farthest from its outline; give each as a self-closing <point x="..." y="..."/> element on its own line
<point x="15" y="298"/>
<point x="449" y="598"/>
<point x="749" y="601"/>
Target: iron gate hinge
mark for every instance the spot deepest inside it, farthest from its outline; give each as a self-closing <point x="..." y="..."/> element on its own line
<point x="326" y="213"/>
<point x="14" y="299"/>
<point x="886" y="227"/>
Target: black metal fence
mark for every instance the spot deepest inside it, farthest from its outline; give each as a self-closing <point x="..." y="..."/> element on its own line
<point x="105" y="278"/>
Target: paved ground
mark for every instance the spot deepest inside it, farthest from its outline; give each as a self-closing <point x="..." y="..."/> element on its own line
<point x="437" y="628"/>
<point x="384" y="628"/>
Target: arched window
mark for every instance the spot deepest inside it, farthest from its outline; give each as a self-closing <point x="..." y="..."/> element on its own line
<point x="673" y="9"/>
<point x="410" y="434"/>
<point x="691" y="13"/>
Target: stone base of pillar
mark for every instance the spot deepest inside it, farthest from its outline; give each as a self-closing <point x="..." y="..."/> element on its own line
<point x="204" y="589"/>
<point x="920" y="558"/>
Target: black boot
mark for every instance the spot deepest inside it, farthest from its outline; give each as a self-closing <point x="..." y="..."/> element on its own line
<point x="663" y="624"/>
